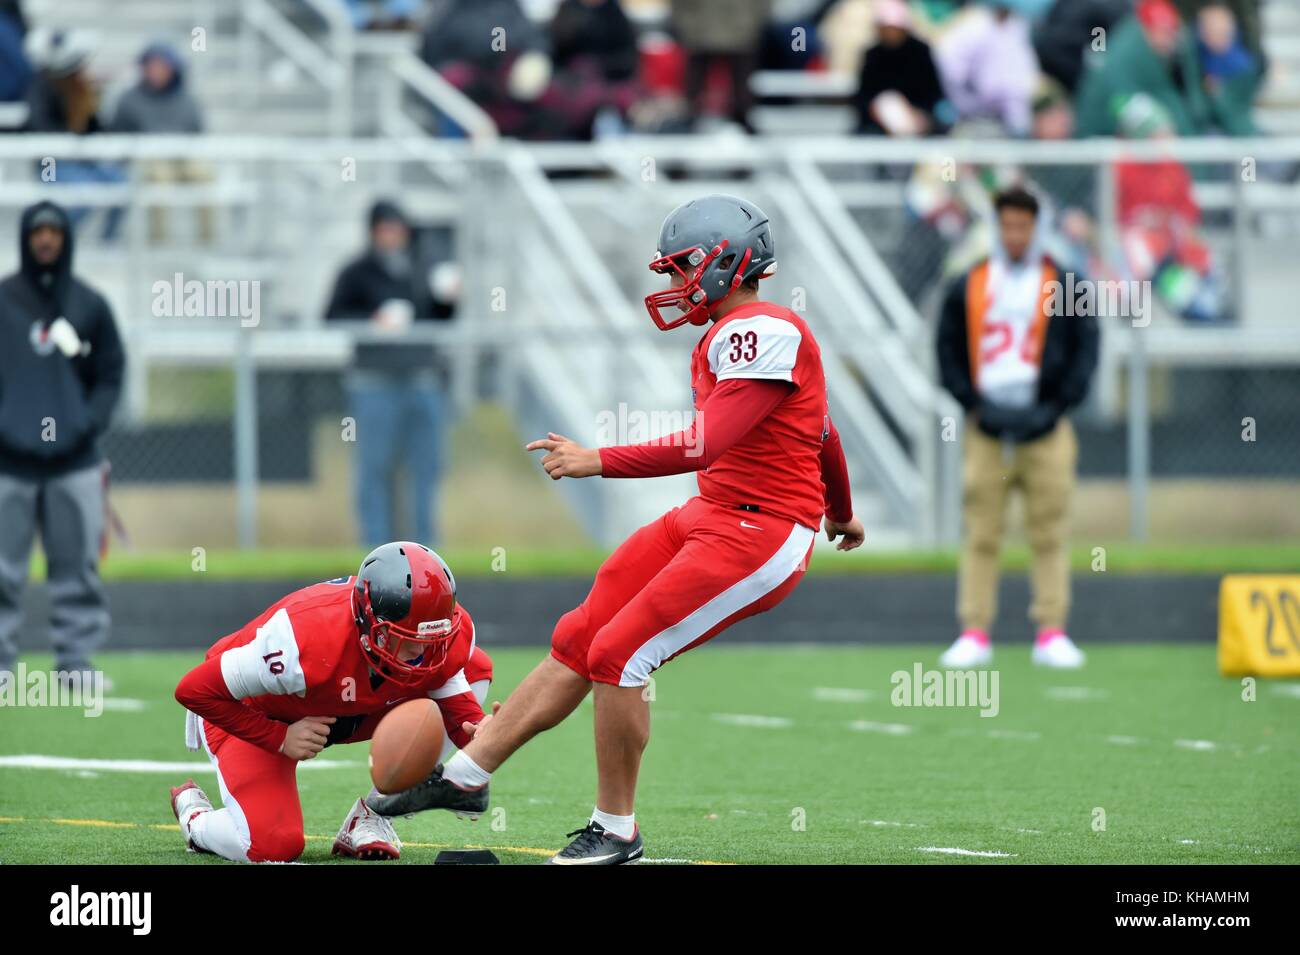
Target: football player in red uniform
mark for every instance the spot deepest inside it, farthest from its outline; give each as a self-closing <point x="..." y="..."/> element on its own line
<point x="770" y="471"/>
<point x="322" y="666"/>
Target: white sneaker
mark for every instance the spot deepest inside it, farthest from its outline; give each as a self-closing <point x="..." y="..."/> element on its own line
<point x="1059" y="652"/>
<point x="189" y="801"/>
<point x="366" y="835"/>
<point x="966" y="653"/>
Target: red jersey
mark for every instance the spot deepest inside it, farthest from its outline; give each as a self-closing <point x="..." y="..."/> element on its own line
<point x="777" y="466"/>
<point x="302" y="657"/>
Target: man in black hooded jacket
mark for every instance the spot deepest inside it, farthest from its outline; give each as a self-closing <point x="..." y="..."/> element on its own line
<point x="61" y="368"/>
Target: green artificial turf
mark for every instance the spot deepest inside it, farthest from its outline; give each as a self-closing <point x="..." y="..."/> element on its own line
<point x="766" y="755"/>
<point x="325" y="563"/>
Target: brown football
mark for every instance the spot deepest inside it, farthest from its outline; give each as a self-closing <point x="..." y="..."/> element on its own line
<point x="406" y="745"/>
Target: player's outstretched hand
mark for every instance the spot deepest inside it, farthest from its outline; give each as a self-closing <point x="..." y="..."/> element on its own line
<point x="306" y="737"/>
<point x="852" y="532"/>
<point x="473" y="728"/>
<point x="566" y="458"/>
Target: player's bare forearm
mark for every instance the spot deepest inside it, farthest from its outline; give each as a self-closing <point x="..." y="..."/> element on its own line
<point x="565" y="457"/>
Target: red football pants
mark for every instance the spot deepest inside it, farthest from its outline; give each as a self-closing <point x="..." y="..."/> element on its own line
<point x="261" y="791"/>
<point x="674" y="584"/>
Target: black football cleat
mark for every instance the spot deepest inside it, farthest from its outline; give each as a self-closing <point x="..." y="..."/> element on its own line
<point x="434" y="793"/>
<point x="595" y="846"/>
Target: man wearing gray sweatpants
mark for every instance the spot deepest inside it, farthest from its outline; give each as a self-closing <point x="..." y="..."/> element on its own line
<point x="61" y="368"/>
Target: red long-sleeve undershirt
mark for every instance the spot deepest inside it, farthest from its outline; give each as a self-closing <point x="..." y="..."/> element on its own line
<point x="835" y="475"/>
<point x="203" y="691"/>
<point x="733" y="409"/>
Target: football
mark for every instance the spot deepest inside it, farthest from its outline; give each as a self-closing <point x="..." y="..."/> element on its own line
<point x="406" y="745"/>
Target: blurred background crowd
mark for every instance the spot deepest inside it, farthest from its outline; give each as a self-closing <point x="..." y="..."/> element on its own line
<point x="886" y="103"/>
<point x="578" y="70"/>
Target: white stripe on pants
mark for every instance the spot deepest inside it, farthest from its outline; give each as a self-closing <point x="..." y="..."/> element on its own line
<point x="223" y="831"/>
<point x="776" y="571"/>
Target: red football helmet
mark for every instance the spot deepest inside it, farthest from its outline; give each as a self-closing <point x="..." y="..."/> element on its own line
<point x="404" y="602"/>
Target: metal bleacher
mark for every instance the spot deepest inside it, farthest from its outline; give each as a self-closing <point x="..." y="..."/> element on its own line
<point x="294" y="100"/>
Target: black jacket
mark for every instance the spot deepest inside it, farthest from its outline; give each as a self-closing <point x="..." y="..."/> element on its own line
<point x="39" y="385"/>
<point x="1068" y="361"/>
<point x="909" y="69"/>
<point x="363" y="286"/>
<point x="1065" y="34"/>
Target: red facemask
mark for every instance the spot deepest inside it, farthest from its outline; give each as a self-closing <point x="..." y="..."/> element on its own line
<point x="689" y="299"/>
<point x="384" y="642"/>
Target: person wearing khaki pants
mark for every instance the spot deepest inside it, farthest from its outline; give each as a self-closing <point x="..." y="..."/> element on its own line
<point x="1017" y="368"/>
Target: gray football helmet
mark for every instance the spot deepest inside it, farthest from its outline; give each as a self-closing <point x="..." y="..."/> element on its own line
<point x="714" y="243"/>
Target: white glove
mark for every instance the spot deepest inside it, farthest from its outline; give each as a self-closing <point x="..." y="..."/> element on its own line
<point x="66" y="339"/>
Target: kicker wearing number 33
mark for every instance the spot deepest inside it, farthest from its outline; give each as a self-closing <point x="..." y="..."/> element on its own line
<point x="770" y="469"/>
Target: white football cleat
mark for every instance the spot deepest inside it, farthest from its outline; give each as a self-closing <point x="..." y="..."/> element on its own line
<point x="189" y="801"/>
<point x="966" y="653"/>
<point x="1058" y="652"/>
<point x="366" y="835"/>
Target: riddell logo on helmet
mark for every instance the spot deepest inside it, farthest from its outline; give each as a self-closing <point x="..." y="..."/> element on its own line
<point x="427" y="627"/>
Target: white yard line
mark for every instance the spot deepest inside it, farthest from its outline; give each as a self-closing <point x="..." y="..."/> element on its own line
<point x="1075" y="694"/>
<point x="753" y="720"/>
<point x="895" y="825"/>
<point x="842" y="694"/>
<point x="889" y="729"/>
<point x="35" y="761"/>
<point x="124" y="704"/>
<point x="1200" y="745"/>
<point x="949" y="851"/>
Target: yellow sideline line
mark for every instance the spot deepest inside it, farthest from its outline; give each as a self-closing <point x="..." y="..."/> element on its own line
<point x="172" y="827"/>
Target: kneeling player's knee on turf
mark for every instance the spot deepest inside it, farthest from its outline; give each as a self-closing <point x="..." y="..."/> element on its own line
<point x="279" y="845"/>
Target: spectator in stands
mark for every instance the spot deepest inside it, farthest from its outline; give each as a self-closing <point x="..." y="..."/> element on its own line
<point x="594" y="51"/>
<point x="1017" y="369"/>
<point x="496" y="55"/>
<point x="1152" y="53"/>
<point x="1160" y="223"/>
<point x="1069" y="30"/>
<point x="395" y="391"/>
<point x="721" y="35"/>
<point x="596" y="31"/>
<point x="15" y="70"/>
<point x="791" y="19"/>
<point x="383" y="14"/>
<point x="1229" y="68"/>
<point x="161" y="103"/>
<point x="61" y="370"/>
<point x="64" y="98"/>
<point x="899" y="91"/>
<point x="1068" y="191"/>
<point x="988" y="66"/>
<point x="1245" y="13"/>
